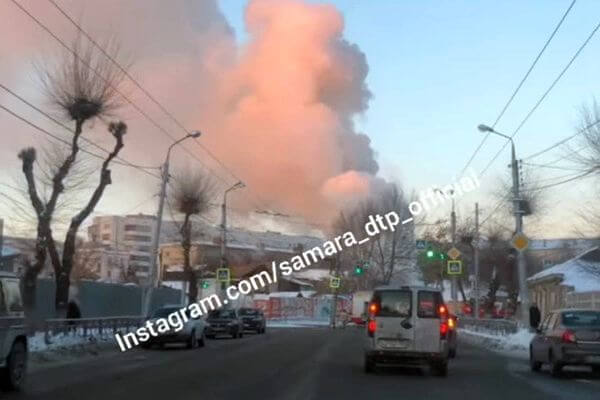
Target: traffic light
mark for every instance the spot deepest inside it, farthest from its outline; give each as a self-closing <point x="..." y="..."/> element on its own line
<point x="442" y="256"/>
<point x="205" y="284"/>
<point x="358" y="270"/>
<point x="430" y="253"/>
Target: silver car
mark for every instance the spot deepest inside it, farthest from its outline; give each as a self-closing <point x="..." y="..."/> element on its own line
<point x="567" y="337"/>
<point x="407" y="326"/>
<point x="192" y="334"/>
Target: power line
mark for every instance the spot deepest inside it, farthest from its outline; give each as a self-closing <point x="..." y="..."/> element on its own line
<point x="152" y="98"/>
<point x="537" y="104"/>
<point x="591" y="125"/>
<point x="518" y="88"/>
<point x="579" y="176"/>
<point x="89" y="141"/>
<point x="59" y="139"/>
<point x="135" y="106"/>
<point x="139" y="86"/>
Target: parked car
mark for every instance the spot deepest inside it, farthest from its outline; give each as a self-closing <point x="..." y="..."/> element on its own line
<point x="452" y="335"/>
<point x="13" y="338"/>
<point x="567" y="337"/>
<point x="408" y="326"/>
<point x="224" y="321"/>
<point x="192" y="334"/>
<point x="253" y="319"/>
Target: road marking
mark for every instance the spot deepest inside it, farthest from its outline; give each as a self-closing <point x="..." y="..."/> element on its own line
<point x="406" y="221"/>
<point x="364" y="240"/>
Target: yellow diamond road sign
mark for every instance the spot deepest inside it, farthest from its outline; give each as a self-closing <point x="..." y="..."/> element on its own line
<point x="520" y="242"/>
<point x="454" y="253"/>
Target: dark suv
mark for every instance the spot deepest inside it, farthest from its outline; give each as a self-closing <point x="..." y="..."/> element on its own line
<point x="253" y="319"/>
<point x="224" y="321"/>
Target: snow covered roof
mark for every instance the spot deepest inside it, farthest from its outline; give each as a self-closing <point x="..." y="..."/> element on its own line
<point x="577" y="244"/>
<point x="582" y="273"/>
<point x="313" y="274"/>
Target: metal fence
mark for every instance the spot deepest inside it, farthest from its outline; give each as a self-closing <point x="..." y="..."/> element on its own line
<point x="87" y="327"/>
<point x="501" y="326"/>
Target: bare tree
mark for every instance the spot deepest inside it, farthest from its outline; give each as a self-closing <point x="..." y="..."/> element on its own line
<point x="81" y="95"/>
<point x="391" y="253"/>
<point x="191" y="194"/>
<point x="586" y="155"/>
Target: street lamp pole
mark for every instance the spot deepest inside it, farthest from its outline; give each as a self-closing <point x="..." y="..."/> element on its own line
<point x="518" y="213"/>
<point x="223" y="264"/>
<point x="453" y="288"/>
<point x="147" y="297"/>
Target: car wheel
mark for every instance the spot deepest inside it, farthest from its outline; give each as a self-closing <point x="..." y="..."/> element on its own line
<point x="555" y="366"/>
<point x="440" y="368"/>
<point x="535" y="365"/>
<point x="13" y="376"/>
<point x="369" y="365"/>
<point x="241" y="334"/>
<point x="192" y="341"/>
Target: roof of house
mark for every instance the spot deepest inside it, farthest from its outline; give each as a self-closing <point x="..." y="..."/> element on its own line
<point x="582" y="272"/>
<point x="570" y="243"/>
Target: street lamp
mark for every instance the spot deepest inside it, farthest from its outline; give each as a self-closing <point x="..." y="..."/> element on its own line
<point x="156" y="240"/>
<point x="238" y="185"/>
<point x="518" y="221"/>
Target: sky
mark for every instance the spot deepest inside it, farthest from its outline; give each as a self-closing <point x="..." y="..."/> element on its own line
<point x="414" y="77"/>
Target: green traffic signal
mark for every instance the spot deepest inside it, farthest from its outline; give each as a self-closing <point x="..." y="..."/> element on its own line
<point x="205" y="285"/>
<point x="430" y="253"/>
<point x="358" y="270"/>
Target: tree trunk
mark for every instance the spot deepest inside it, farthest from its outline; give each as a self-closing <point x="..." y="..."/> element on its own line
<point x="186" y="244"/>
<point x="62" y="294"/>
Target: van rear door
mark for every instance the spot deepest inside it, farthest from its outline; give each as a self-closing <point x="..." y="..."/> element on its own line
<point x="428" y="321"/>
<point x="395" y="327"/>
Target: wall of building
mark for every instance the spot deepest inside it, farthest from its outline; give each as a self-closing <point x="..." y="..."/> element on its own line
<point x="549" y="295"/>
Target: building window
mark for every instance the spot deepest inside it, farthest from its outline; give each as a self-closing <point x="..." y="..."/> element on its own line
<point x="137" y="238"/>
<point x="106" y="236"/>
<point x="137" y="228"/>
<point x="139" y="258"/>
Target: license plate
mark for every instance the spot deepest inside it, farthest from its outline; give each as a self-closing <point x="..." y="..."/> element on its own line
<point x="393" y="344"/>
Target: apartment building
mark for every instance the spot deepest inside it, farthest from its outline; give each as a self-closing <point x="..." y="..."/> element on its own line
<point x="132" y="234"/>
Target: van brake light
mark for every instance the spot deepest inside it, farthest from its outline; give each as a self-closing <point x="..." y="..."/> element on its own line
<point x="372" y="327"/>
<point x="373" y="308"/>
<point x="443" y="330"/>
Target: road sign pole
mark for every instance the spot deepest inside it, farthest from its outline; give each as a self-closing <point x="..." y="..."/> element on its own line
<point x="476" y="260"/>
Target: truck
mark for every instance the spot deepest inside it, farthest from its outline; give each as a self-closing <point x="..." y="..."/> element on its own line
<point x="13" y="337"/>
<point x="360" y="305"/>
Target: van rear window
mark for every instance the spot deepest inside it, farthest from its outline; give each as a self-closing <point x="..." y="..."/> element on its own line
<point x="394" y="303"/>
<point x="428" y="304"/>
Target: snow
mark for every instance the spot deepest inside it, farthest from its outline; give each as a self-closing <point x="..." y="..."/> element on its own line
<point x="516" y="343"/>
<point x="296" y="323"/>
<point x="581" y="272"/>
<point x="313" y="274"/>
<point x="306" y="293"/>
<point x="7" y="251"/>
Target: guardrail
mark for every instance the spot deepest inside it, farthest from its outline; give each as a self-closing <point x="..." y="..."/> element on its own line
<point x="502" y="326"/>
<point x="85" y="327"/>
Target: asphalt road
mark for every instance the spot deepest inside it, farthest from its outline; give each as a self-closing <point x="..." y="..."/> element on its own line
<point x="296" y="364"/>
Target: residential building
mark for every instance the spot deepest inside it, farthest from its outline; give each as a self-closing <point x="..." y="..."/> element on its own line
<point x="544" y="253"/>
<point x="132" y="234"/>
<point x="551" y="288"/>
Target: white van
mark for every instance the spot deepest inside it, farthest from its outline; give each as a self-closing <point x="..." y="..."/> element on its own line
<point x="407" y="326"/>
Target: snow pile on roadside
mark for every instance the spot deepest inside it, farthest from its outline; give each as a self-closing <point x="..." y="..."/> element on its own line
<point x="296" y="323"/>
<point x="37" y="343"/>
<point x="513" y="343"/>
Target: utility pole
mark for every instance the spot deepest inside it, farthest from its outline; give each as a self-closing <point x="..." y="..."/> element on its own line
<point x="476" y="260"/>
<point x="521" y="267"/>
<point x="518" y="213"/>
<point x="223" y="263"/>
<point x="153" y="273"/>
<point x="454" y="288"/>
